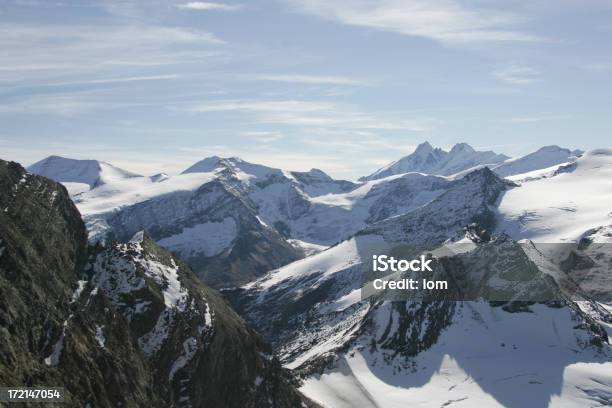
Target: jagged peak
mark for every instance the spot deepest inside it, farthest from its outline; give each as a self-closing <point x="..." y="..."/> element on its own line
<point x="436" y="161"/>
<point x="312" y="175"/>
<point x="462" y="147"/>
<point x="423" y="148"/>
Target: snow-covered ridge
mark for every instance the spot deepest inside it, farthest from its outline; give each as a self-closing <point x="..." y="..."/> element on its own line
<point x="307" y="206"/>
<point x="544" y="157"/>
<point x="79" y="175"/>
<point x="113" y="196"/>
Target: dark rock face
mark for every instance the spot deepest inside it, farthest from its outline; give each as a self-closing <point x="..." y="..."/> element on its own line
<point x="122" y="325"/>
<point x="45" y="339"/>
<point x="201" y="349"/>
<point x="466" y="201"/>
<point x="401" y="191"/>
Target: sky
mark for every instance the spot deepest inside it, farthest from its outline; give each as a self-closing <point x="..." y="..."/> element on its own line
<point x="345" y="85"/>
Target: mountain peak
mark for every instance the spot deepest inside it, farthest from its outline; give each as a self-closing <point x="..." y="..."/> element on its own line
<point x="90" y="172"/>
<point x="435" y="161"/>
<point x="462" y="147"/>
<point x="212" y="163"/>
<point x="423" y="148"/>
<point x="205" y="165"/>
<point x="312" y="175"/>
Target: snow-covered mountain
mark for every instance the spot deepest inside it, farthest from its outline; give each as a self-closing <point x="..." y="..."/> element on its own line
<point x="209" y="219"/>
<point x="306" y="206"/>
<point x="426" y="159"/>
<point x="334" y="275"/>
<point x="223" y="214"/>
<point x="232" y="220"/>
<point x="79" y="175"/>
<point x="355" y="351"/>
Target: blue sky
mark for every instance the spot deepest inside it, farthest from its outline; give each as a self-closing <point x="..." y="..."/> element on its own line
<point x="345" y="86"/>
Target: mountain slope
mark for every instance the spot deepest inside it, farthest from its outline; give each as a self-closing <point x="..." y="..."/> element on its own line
<point x="562" y="206"/>
<point x="441" y="350"/>
<point x="469" y="200"/>
<point x="484" y="357"/>
<point x="202" y="351"/>
<point x="121" y="325"/>
<point x="426" y="159"/>
<point x="540" y="159"/>
<point x="291" y="291"/>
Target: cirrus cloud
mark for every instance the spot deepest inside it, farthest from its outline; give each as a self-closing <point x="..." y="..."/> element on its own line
<point x="204" y="5"/>
<point x="318" y="114"/>
<point x="447" y="21"/>
<point x="517" y="75"/>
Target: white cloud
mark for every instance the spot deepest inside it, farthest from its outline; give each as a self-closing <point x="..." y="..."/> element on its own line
<point x="263" y="136"/>
<point x="118" y="80"/>
<point x="447" y="21"/>
<point x="312" y="79"/>
<point x="313" y="114"/>
<point x="35" y="52"/>
<point x="518" y="75"/>
<point x="247" y="105"/>
<point x="67" y="105"/>
<point x="204" y="5"/>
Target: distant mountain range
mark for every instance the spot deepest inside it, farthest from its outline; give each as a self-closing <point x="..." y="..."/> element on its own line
<point x="462" y="157"/>
<point x="232" y="220"/>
